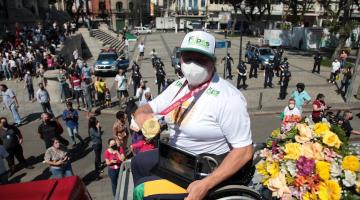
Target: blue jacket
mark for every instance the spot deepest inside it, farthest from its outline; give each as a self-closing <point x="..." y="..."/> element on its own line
<point x="71" y="118"/>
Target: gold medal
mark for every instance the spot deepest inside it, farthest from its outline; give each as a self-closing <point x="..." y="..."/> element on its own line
<point x="151" y="128"/>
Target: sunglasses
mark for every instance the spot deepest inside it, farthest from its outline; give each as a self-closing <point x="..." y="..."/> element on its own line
<point x="194" y="57"/>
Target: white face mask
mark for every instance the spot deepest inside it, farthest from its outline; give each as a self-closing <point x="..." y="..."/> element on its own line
<point x="194" y="73"/>
<point x="291" y="106"/>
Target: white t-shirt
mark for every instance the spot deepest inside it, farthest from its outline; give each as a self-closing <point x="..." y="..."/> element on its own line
<point x="294" y="112"/>
<point x="121" y="82"/>
<point x="12" y="63"/>
<point x="217" y="122"/>
<point x="140" y="93"/>
<point x="335" y="66"/>
<point x="141" y="48"/>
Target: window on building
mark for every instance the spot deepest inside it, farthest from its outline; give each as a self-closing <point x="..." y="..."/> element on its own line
<point x="119" y="6"/>
<point x="202" y="3"/>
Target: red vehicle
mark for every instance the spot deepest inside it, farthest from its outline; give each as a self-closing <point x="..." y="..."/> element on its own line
<point x="55" y="189"/>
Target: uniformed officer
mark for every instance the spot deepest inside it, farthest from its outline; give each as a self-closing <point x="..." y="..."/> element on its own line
<point x="286" y="75"/>
<point x="269" y="74"/>
<point x="317" y="62"/>
<point x="228" y="59"/>
<point x="254" y="65"/>
<point x="136" y="76"/>
<point x="241" y="70"/>
<point x="277" y="62"/>
<point x="160" y="77"/>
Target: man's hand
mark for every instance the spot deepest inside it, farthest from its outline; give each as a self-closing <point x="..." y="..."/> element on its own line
<point x="197" y="190"/>
<point x="21" y="141"/>
<point x="60" y="162"/>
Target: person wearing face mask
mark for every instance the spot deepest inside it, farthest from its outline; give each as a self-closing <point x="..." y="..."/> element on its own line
<point x="114" y="156"/>
<point x="291" y="113"/>
<point x="204" y="114"/>
<point x="345" y="124"/>
<point x="300" y="96"/>
<point x="319" y="107"/>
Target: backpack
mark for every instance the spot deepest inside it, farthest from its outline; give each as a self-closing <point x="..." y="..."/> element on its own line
<point x="10" y="139"/>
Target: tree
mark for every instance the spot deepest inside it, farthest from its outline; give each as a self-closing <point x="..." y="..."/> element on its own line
<point x="253" y="10"/>
<point x="340" y="21"/>
<point x="298" y="9"/>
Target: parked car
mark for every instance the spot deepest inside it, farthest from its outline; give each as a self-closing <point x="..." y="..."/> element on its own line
<point x="263" y="54"/>
<point x="175" y="56"/>
<point x="110" y="62"/>
<point x="140" y="30"/>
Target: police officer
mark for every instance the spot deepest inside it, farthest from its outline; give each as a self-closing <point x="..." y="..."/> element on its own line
<point x="136" y="76"/>
<point x="241" y="70"/>
<point x="277" y="61"/>
<point x="317" y="61"/>
<point x="286" y="75"/>
<point x="254" y="65"/>
<point x="269" y="74"/>
<point x="228" y="59"/>
<point x="160" y="77"/>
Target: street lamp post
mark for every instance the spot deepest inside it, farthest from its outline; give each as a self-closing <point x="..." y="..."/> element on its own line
<point x="241" y="36"/>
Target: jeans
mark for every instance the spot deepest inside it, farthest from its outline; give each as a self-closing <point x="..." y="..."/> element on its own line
<point x="62" y="92"/>
<point x="30" y="89"/>
<point x="73" y="132"/>
<point x="62" y="171"/>
<point x="97" y="150"/>
<point x="15" y="113"/>
<point x="113" y="175"/>
<point x="47" y="108"/>
<point x="7" y="71"/>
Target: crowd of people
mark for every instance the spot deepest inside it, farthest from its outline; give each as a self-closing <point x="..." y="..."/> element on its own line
<point x="33" y="53"/>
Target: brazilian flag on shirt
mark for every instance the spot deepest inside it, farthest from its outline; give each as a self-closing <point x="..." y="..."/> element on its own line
<point x="161" y="188"/>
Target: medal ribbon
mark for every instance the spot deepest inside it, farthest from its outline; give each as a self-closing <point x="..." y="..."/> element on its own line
<point x="190" y="94"/>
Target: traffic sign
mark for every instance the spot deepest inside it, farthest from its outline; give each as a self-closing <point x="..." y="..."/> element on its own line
<point x="222" y="44"/>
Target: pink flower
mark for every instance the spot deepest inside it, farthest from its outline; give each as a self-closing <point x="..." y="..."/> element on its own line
<point x="305" y="166"/>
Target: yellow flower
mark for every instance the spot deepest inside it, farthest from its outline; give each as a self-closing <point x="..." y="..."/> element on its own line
<point x="312" y="151"/>
<point x="272" y="168"/>
<point x="309" y="196"/>
<point x="331" y="139"/>
<point x="261" y="168"/>
<point x="278" y="186"/>
<point x="358" y="186"/>
<point x="351" y="163"/>
<point x="292" y="151"/>
<point x="320" y="128"/>
<point x="329" y="190"/>
<point x="323" y="169"/>
<point x="275" y="132"/>
<point x="304" y="133"/>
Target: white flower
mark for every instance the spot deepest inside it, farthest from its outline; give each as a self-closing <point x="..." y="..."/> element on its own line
<point x="335" y="169"/>
<point x="350" y="178"/>
<point x="291" y="167"/>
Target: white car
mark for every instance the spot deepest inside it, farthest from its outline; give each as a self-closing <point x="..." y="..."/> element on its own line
<point x="141" y="30"/>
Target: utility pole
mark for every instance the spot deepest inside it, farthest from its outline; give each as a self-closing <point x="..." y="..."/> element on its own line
<point x="241" y="36"/>
<point x="350" y="89"/>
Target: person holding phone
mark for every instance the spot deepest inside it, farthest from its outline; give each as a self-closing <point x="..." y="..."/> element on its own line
<point x="58" y="159"/>
<point x="114" y="156"/>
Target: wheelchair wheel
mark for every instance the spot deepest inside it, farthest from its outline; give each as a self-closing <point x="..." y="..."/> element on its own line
<point x="234" y="192"/>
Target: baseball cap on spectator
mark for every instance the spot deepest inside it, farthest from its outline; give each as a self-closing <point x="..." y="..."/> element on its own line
<point x="200" y="42"/>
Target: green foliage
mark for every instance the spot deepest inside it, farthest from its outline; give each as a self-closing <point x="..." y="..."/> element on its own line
<point x="344" y="148"/>
<point x="326" y="62"/>
<point x="291" y="134"/>
<point x="350" y="195"/>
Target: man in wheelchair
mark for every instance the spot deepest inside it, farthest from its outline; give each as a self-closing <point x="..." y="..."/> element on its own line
<point x="210" y="137"/>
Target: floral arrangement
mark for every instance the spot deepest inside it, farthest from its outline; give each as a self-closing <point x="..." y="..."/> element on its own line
<point x="310" y="161"/>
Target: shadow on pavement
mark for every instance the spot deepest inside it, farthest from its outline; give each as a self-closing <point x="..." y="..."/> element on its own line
<point x="46" y="174"/>
<point x="32" y="117"/>
<point x="35" y="160"/>
<point x="17" y="178"/>
<point x="90" y="177"/>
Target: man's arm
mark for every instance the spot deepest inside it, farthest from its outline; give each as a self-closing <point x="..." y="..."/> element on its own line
<point x="142" y="114"/>
<point x="233" y="162"/>
<point x="355" y="132"/>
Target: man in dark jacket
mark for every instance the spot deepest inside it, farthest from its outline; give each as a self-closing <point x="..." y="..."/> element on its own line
<point x="241" y="70"/>
<point x="12" y="140"/>
<point x="317" y="62"/>
<point x="49" y="129"/>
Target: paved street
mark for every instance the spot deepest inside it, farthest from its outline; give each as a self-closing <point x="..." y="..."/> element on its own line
<point x="262" y="125"/>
